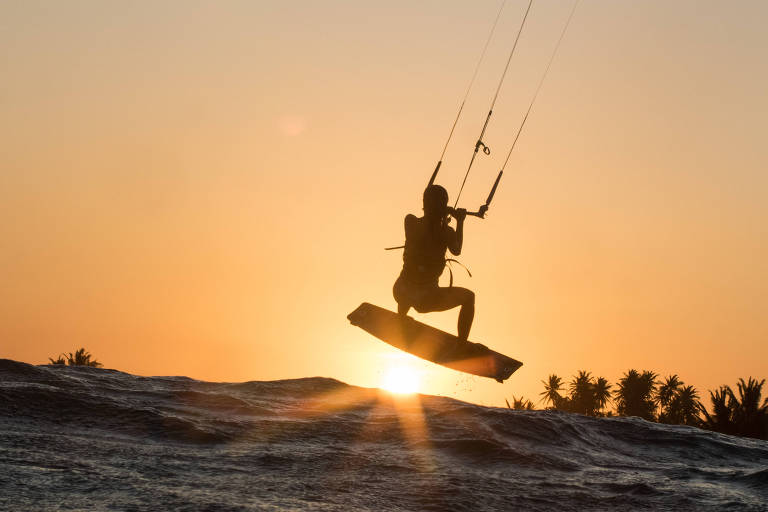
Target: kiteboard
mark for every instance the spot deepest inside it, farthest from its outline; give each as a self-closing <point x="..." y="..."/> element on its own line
<point x="432" y="344"/>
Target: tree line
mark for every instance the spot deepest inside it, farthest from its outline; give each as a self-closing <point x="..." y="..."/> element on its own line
<point x="667" y="400"/>
<point x="81" y="357"/>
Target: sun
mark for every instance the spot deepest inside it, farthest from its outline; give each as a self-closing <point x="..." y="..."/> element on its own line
<point x="400" y="379"/>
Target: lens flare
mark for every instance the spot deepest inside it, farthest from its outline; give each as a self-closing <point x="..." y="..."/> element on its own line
<point x="400" y="379"/>
<point x="292" y="125"/>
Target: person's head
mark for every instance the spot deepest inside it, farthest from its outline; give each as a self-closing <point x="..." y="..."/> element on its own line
<point x="435" y="201"/>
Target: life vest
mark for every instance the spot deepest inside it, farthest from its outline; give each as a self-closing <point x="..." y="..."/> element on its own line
<point x="424" y="254"/>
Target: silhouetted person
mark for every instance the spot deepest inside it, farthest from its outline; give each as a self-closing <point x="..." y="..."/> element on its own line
<point x="426" y="240"/>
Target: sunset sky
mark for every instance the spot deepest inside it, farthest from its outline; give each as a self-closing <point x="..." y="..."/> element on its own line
<point x="206" y="188"/>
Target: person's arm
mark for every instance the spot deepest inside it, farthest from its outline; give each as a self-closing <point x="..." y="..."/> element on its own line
<point x="409" y="223"/>
<point x="457" y="237"/>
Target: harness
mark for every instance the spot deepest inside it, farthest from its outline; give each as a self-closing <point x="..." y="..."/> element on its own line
<point x="447" y="262"/>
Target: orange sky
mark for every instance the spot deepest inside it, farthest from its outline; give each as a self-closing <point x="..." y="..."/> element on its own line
<point x="205" y="188"/>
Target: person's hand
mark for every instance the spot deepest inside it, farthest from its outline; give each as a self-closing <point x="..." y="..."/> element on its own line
<point x="482" y="211"/>
<point x="460" y="214"/>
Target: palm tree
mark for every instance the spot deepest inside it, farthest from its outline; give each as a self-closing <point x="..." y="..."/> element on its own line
<point x="750" y="417"/>
<point x="79" y="358"/>
<point x="634" y="396"/>
<point x="723" y="405"/>
<point x="551" y="391"/>
<point x="743" y="416"/>
<point x="665" y="394"/>
<point x="684" y="407"/>
<point x="602" y="393"/>
<point x="582" y="395"/>
<point x="520" y="404"/>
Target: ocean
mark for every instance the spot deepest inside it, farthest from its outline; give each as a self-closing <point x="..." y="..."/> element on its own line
<point x="79" y="438"/>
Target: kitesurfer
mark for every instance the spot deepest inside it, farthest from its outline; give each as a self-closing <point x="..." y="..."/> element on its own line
<point x="426" y="240"/>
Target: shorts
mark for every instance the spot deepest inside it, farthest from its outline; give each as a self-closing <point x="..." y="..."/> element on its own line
<point x="414" y="295"/>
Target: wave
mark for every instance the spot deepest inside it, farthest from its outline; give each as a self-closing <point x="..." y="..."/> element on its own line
<point x="536" y="460"/>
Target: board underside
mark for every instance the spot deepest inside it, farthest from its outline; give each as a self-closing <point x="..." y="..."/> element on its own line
<point x="433" y="344"/>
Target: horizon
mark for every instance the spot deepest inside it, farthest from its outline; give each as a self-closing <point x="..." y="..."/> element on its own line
<point x="206" y="190"/>
<point x="403" y="390"/>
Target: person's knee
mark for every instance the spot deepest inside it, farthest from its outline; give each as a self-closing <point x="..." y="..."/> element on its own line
<point x="469" y="298"/>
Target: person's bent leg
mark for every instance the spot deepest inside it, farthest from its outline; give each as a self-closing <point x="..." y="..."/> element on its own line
<point x="466" y="315"/>
<point x="442" y="299"/>
<point x="400" y="294"/>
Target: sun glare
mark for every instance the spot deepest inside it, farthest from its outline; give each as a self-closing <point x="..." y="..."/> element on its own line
<point x="400" y="379"/>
